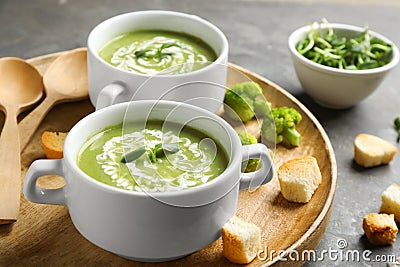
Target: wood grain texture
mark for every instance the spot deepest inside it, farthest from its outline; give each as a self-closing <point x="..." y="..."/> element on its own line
<point x="10" y="183"/>
<point x="63" y="82"/>
<point x="21" y="87"/>
<point x="45" y="235"/>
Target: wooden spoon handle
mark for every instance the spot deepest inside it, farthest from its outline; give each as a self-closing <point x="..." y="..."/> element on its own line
<point x="31" y="122"/>
<point x="10" y="170"/>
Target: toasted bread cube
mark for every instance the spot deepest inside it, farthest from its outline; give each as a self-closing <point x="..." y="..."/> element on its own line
<point x="370" y="150"/>
<point x="299" y="178"/>
<point x="241" y="240"/>
<point x="380" y="229"/>
<point x="53" y="144"/>
<point x="391" y="201"/>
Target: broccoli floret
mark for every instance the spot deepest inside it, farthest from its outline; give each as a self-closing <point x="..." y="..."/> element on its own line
<point x="247" y="139"/>
<point x="244" y="99"/>
<point x="262" y="107"/>
<point x="268" y="131"/>
<point x="250" y="165"/>
<point x="285" y="120"/>
<point x="239" y="106"/>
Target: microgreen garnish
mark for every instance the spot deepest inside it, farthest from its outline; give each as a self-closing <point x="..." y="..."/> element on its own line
<point x="170" y="148"/>
<point x="359" y="53"/>
<point x="153" y="152"/>
<point x="158" y="151"/>
<point x="156" y="53"/>
<point x="133" y="155"/>
<point x="397" y="127"/>
<point x="142" y="53"/>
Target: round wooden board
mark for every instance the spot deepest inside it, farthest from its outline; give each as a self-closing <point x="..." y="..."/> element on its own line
<point x="45" y="236"/>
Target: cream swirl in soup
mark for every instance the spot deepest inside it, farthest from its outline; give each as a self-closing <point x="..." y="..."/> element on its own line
<point x="198" y="160"/>
<point x="154" y="51"/>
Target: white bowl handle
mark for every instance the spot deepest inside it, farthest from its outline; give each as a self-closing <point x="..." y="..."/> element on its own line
<point x="253" y="180"/>
<point x="108" y="95"/>
<point x="40" y="195"/>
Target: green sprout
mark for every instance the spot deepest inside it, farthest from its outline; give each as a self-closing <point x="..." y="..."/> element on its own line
<point x="157" y="151"/>
<point x="156" y="53"/>
<point x="359" y="53"/>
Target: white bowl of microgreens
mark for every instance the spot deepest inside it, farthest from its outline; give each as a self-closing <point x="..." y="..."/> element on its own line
<point x="340" y="65"/>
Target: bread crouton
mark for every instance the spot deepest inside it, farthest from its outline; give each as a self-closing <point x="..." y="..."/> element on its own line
<point x="299" y="178"/>
<point x="380" y="229"/>
<point x="391" y="201"/>
<point x="241" y="240"/>
<point x="370" y="150"/>
<point x="53" y="144"/>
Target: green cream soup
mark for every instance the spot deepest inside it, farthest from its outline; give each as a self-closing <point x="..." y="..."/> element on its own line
<point x="153" y="51"/>
<point x="196" y="161"/>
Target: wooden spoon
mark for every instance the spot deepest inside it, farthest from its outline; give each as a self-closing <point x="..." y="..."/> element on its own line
<point x="20" y="87"/>
<point x="65" y="80"/>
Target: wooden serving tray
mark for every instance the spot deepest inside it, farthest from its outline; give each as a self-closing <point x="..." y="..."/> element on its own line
<point x="45" y="236"/>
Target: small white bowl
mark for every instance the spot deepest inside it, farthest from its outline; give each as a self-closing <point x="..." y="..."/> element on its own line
<point x="332" y="87"/>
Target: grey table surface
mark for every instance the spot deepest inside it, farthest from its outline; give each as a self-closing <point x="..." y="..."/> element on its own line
<point x="257" y="31"/>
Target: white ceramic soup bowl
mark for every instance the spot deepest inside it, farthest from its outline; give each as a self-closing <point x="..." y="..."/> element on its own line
<point x="204" y="87"/>
<point x="338" y="88"/>
<point x="158" y="226"/>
